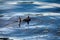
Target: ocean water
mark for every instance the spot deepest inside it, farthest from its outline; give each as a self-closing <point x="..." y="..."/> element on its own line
<point x="44" y="24"/>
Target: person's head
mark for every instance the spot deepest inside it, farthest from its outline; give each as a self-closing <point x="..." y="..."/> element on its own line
<point x="28" y="16"/>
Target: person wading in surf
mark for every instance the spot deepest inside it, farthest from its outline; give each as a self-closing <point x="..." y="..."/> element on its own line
<point x="19" y="20"/>
<point x="28" y="19"/>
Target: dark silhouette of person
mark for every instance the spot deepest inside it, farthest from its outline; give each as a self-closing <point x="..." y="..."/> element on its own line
<point x="28" y="19"/>
<point x="19" y="20"/>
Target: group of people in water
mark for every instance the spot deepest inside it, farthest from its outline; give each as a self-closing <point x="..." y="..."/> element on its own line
<point x="27" y="20"/>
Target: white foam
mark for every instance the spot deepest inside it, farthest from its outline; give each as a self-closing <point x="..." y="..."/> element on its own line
<point x="31" y="14"/>
<point x="45" y="7"/>
<point x="54" y="4"/>
<point x="46" y="3"/>
<point x="36" y="14"/>
<point x="10" y="5"/>
<point x="51" y="14"/>
<point x="5" y="18"/>
<point x="5" y="30"/>
<point x="39" y="3"/>
<point x="39" y="37"/>
<point x="11" y="2"/>
<point x="52" y="17"/>
<point x="7" y="6"/>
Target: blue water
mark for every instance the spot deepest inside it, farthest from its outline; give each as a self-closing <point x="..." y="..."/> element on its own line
<point x="53" y="24"/>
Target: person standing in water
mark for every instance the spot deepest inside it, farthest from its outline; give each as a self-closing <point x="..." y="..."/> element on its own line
<point x="19" y="20"/>
<point x="28" y="19"/>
